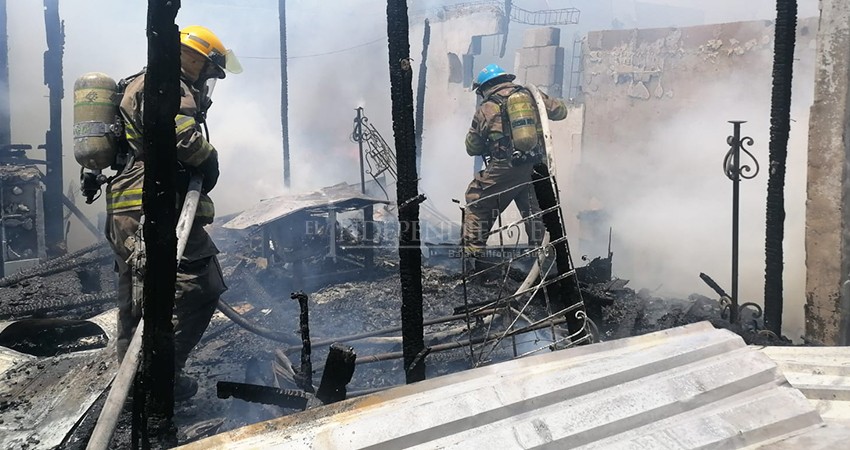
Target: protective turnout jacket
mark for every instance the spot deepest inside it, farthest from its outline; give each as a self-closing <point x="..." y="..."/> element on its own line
<point x="124" y="192"/>
<point x="488" y="135"/>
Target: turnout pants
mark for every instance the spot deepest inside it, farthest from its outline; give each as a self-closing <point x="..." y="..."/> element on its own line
<point x="490" y="192"/>
<point x="198" y="287"/>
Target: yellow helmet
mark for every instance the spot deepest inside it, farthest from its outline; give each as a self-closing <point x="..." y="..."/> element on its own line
<point x="203" y="41"/>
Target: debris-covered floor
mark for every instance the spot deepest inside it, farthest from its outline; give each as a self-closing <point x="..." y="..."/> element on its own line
<point x="80" y="287"/>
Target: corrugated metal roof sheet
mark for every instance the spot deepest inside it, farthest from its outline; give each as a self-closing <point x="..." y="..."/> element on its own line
<point x="42" y="398"/>
<point x="341" y="197"/>
<point x="690" y="387"/>
<point x="822" y="374"/>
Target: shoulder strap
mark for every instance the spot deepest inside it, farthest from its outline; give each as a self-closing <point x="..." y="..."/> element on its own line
<point x="122" y="83"/>
<point x="501" y="101"/>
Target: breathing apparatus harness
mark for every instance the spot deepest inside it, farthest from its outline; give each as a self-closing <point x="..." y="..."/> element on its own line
<point x="505" y="147"/>
<point x="91" y="182"/>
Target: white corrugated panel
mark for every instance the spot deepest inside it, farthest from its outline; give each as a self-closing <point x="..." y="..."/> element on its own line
<point x="689" y="387"/>
<point x="822" y="374"/>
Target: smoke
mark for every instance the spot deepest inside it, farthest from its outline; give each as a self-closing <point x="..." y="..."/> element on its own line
<point x="335" y="65"/>
<point x="656" y="165"/>
<point x="672" y="201"/>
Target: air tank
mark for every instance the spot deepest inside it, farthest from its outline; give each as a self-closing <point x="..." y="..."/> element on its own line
<point x="523" y="118"/>
<point x="96" y="121"/>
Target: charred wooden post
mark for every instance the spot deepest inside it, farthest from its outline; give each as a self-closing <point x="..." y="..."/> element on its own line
<point x="568" y="289"/>
<point x="54" y="216"/>
<point x="339" y="368"/>
<point x="267" y="395"/>
<point x="420" y="92"/>
<point x="305" y="377"/>
<point x="410" y="254"/>
<point x="162" y="102"/>
<point x="780" y="127"/>
<point x="5" y="99"/>
<point x="284" y="92"/>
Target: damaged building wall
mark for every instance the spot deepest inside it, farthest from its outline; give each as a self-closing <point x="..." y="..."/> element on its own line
<point x="657" y="102"/>
<point x="827" y="221"/>
<point x="449" y="104"/>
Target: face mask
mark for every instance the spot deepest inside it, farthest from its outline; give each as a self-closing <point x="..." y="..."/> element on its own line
<point x="206" y="94"/>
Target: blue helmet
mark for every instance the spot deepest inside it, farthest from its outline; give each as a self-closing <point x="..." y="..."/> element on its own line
<point x="491" y="72"/>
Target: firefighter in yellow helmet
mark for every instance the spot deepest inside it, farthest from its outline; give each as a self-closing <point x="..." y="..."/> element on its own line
<point x="203" y="59"/>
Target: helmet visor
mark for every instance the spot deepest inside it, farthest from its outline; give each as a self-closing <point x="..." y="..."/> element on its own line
<point x="227" y="61"/>
<point x="231" y="62"/>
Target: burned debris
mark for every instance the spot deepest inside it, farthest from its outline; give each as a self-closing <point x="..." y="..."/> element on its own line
<point x="337" y="288"/>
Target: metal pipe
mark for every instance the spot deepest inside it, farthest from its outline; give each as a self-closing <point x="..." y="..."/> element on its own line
<point x="108" y="418"/>
<point x="368" y="212"/>
<point x="736" y="171"/>
<point x="359" y="136"/>
<point x="284" y="92"/>
<point x="5" y="100"/>
<point x="736" y="192"/>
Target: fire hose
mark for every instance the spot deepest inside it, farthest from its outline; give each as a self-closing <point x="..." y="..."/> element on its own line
<point x="108" y="418"/>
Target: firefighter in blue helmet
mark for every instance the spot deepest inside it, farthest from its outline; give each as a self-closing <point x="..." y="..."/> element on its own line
<point x="507" y="175"/>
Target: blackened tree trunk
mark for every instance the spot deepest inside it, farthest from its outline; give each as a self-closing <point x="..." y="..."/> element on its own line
<point x="780" y="126"/>
<point x="410" y="255"/>
<point x="162" y="102"/>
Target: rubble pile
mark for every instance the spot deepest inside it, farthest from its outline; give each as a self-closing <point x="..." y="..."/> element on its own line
<point x="258" y="292"/>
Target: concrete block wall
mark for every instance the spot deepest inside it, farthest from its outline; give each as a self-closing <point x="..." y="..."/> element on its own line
<point x="541" y="60"/>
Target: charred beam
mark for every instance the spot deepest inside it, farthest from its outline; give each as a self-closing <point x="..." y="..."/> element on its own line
<point x="420" y="92"/>
<point x="153" y="425"/>
<point x="54" y="217"/>
<point x="713" y="285"/>
<point x="266" y="395"/>
<point x="780" y="127"/>
<point x="305" y="376"/>
<point x="339" y="368"/>
<point x="410" y="254"/>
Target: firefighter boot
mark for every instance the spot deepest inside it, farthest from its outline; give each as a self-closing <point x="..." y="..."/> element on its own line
<point x="185" y="387"/>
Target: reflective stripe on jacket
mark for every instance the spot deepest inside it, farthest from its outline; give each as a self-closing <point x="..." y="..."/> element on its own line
<point x="124" y="192"/>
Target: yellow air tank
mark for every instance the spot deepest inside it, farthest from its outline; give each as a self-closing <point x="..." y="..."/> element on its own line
<point x="96" y="121"/>
<point x="523" y="118"/>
